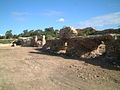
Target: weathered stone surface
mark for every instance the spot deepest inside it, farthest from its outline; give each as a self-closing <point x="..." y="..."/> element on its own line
<point x="54" y="45"/>
<point x="88" y="47"/>
<point x="26" y="42"/>
<point x="81" y="32"/>
<point x="113" y="47"/>
<point x="67" y="32"/>
<point x="85" y="47"/>
<point x="38" y="41"/>
<point x="97" y="52"/>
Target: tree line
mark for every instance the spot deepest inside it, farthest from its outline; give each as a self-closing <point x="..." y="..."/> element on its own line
<point x="49" y="32"/>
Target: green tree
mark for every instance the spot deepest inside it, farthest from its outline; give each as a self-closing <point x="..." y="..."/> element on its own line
<point x="31" y="33"/>
<point x="50" y="33"/>
<point x="26" y="33"/>
<point x="87" y="32"/>
<point x="8" y="34"/>
<point x="50" y="29"/>
<point x="15" y="36"/>
<point x="56" y="33"/>
<point x="2" y="37"/>
<point x="38" y="32"/>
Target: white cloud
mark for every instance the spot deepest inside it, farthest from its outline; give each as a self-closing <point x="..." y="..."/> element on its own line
<point x="20" y="13"/>
<point x="109" y="19"/>
<point x="61" y="20"/>
<point x="53" y="13"/>
<point x="20" y="16"/>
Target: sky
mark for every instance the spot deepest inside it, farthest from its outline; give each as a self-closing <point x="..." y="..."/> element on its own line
<point x="19" y="15"/>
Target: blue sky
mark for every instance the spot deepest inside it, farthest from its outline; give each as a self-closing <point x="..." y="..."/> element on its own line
<point x="19" y="15"/>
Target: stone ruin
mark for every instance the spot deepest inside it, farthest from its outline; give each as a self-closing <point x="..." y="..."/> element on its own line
<point x="38" y="41"/>
<point x="68" y="32"/>
<point x="24" y="41"/>
<point x="35" y="41"/>
<point x="59" y="44"/>
<point x="90" y="47"/>
<point x="84" y="47"/>
<point x="107" y="31"/>
<point x="81" y="31"/>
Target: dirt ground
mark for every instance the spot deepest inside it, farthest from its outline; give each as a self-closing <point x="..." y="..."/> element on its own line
<point x="24" y="68"/>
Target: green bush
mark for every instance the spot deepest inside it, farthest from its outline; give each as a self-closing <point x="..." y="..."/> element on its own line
<point x="87" y="32"/>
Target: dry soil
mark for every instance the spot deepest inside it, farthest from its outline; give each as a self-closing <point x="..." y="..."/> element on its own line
<point x="24" y="68"/>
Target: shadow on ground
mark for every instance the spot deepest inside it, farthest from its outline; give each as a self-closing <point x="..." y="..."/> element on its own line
<point x="102" y="61"/>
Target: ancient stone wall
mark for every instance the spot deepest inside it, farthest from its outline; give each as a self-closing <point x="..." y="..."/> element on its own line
<point x="88" y="47"/>
<point x="85" y="47"/>
<point x="54" y="45"/>
<point x="38" y="41"/>
<point x="113" y="47"/>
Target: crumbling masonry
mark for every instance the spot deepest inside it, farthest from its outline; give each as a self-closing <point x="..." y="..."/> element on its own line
<point x="85" y="47"/>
